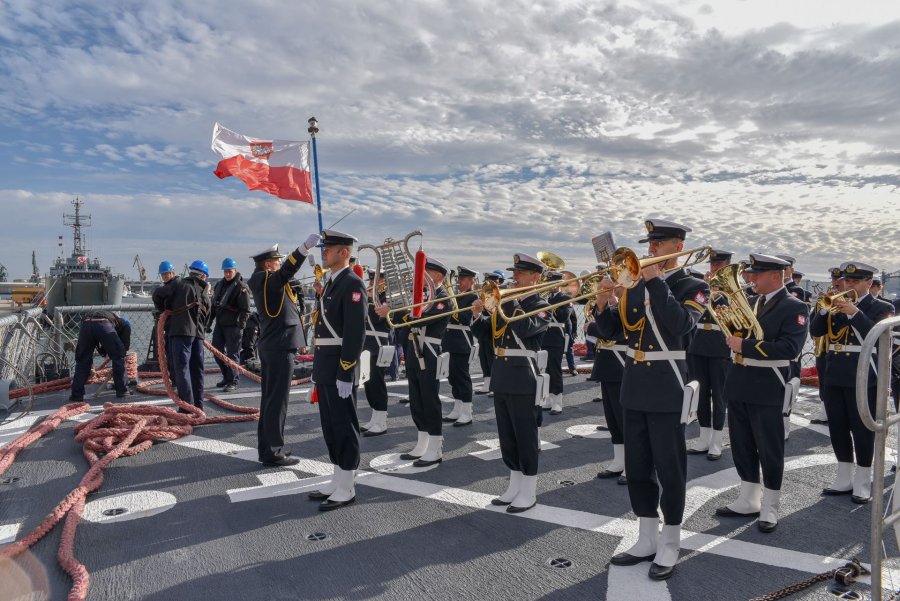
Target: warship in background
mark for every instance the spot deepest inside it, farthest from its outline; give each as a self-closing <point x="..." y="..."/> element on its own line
<point x="79" y="280"/>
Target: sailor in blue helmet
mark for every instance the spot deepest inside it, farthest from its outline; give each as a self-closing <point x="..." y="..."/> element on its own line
<point x="230" y="310"/>
<point x="188" y="300"/>
<point x="485" y="340"/>
<point x="169" y="278"/>
<point x="280" y="335"/>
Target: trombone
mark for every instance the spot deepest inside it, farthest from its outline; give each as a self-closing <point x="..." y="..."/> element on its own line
<point x="450" y="298"/>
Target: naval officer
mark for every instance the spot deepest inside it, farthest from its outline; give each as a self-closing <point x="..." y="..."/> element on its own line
<point x="377" y="337"/>
<point x="280" y="335"/>
<point x="486" y="341"/>
<point x="460" y="343"/>
<point x="659" y="315"/>
<point x="555" y="342"/>
<point x="340" y="334"/>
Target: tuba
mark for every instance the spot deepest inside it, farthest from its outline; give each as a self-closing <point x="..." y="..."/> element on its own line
<point x="738" y="314"/>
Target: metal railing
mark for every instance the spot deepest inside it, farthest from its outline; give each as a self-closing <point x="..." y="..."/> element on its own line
<point x="20" y="339"/>
<point x="882" y="336"/>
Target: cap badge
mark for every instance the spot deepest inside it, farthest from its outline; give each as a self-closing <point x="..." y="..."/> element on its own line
<point x="851" y="268"/>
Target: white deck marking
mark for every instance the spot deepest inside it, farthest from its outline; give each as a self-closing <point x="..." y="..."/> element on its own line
<point x="8" y="533"/>
<point x="587" y="431"/>
<point x="582" y="520"/>
<point x="492" y="452"/>
<point x="627" y="583"/>
<point x="391" y="463"/>
<point x="140" y="504"/>
<point x="276" y="484"/>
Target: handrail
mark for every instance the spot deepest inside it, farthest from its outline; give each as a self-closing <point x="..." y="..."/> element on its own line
<point x="880" y="334"/>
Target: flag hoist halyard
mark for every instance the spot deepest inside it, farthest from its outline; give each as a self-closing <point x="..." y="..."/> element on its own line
<point x="279" y="167"/>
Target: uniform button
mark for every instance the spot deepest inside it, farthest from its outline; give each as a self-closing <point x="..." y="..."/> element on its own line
<point x="637" y="346"/>
<point x="650" y="345"/>
<point x="648" y="364"/>
<point x="634" y="310"/>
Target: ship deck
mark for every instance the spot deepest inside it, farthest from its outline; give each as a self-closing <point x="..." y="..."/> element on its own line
<point x="204" y="520"/>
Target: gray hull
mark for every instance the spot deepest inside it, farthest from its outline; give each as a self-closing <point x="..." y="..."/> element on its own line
<point x="67" y="290"/>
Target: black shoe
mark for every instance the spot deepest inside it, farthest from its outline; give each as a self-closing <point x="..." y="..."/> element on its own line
<point x="73" y="399"/>
<point x="370" y="434"/>
<point x="830" y="492"/>
<point x="627" y="559"/>
<point x="327" y="505"/>
<point x="423" y="463"/>
<point x="696" y="452"/>
<point x="573" y="372"/>
<point x="500" y="503"/>
<point x="602" y="427"/>
<point x="622" y="481"/>
<point x="461" y="424"/>
<point x="449" y="419"/>
<point x="766" y="527"/>
<point x="317" y="496"/>
<point x="712" y="457"/>
<point x="403" y="401"/>
<point x="730" y="513"/>
<point x="555" y="412"/>
<point x="282" y="461"/>
<point x="860" y="500"/>
<point x="658" y="572"/>
<point x="821" y="422"/>
<point x="608" y="474"/>
<point x="123" y="394"/>
<point x="408" y="457"/>
<point x="596" y="400"/>
<point x="514" y="509"/>
<point x="221" y="384"/>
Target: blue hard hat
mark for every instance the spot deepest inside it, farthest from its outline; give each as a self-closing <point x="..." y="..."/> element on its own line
<point x="229" y="263"/>
<point x="166" y="267"/>
<point x="499" y="274"/>
<point x="200" y="266"/>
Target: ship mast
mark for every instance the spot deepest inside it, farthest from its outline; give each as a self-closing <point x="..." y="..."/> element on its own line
<point x="76" y="222"/>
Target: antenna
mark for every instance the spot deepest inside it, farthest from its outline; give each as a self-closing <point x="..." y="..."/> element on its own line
<point x="76" y="222"/>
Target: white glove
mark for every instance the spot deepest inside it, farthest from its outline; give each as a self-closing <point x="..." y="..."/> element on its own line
<point x="311" y="241"/>
<point x="345" y="389"/>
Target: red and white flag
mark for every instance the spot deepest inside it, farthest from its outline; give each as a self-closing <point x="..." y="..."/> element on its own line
<point x="279" y="167"/>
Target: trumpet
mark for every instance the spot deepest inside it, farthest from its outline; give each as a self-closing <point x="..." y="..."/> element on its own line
<point x="450" y="298"/>
<point x="826" y="301"/>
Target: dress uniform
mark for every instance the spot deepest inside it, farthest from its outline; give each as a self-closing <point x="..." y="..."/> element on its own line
<point x="799" y="293"/>
<point x="377" y="336"/>
<point x="280" y="335"/>
<point x="111" y="335"/>
<point x="486" y="341"/>
<point x="340" y="334"/>
<point x="821" y="353"/>
<point x="708" y="358"/>
<point x="796" y="289"/>
<point x="459" y="342"/>
<point x="658" y="318"/>
<point x="755" y="387"/>
<point x="609" y="366"/>
<point x="845" y="334"/>
<point x="423" y="347"/>
<point x="514" y="382"/>
<point x="555" y="342"/>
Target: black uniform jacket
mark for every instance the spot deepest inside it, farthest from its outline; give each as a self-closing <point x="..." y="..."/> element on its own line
<point x="189" y="300"/>
<point x="231" y="302"/>
<point x="785" y="323"/>
<point x="676" y="304"/>
<point x="709" y="340"/>
<point x="343" y="306"/>
<point x="376" y="329"/>
<point x="279" y="314"/>
<point x="425" y="340"/>
<point x="515" y="375"/>
<point x="610" y="356"/>
<point x="556" y="334"/>
<point x="842" y="331"/>
<point x="458" y="336"/>
<point x="796" y="291"/>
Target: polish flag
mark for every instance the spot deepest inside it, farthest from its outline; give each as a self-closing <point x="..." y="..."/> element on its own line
<point x="279" y="167"/>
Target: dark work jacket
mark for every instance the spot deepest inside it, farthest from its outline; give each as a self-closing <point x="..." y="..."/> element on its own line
<point x="515" y="375"/>
<point x="840" y="365"/>
<point x="555" y="337"/>
<point x="189" y="300"/>
<point x="343" y="306"/>
<point x="709" y="340"/>
<point x="785" y="323"/>
<point x="160" y="293"/>
<point x="231" y="302"/>
<point x="427" y="335"/>
<point x="797" y="292"/>
<point x="376" y="329"/>
<point x="121" y="325"/>
<point x="458" y="337"/>
<point x="276" y="303"/>
<point x="676" y="304"/>
<point x="609" y="357"/>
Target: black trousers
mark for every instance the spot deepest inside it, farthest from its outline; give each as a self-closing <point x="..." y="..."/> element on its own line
<point x="340" y="427"/>
<point x="656" y="457"/>
<point x="517" y="424"/>
<point x="845" y="426"/>
<point x="91" y="334"/>
<point x="277" y="371"/>
<point x="554" y="369"/>
<point x="187" y="361"/>
<point x="459" y="378"/>
<point x="612" y="409"/>
<point x="710" y="375"/>
<point x="486" y="356"/>
<point x="424" y="402"/>
<point x="820" y="369"/>
<point x="227" y="340"/>
<point x="757" y="440"/>
<point x="376" y="389"/>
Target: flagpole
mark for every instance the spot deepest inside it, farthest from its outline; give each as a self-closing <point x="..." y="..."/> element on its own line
<point x="313" y="130"/>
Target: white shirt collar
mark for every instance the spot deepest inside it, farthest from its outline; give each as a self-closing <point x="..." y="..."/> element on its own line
<point x="773" y="293"/>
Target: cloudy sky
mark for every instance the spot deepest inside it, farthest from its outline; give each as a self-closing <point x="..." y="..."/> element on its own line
<point x="494" y="127"/>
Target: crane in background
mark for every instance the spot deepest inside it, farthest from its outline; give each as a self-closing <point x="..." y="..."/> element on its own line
<point x="142" y="273"/>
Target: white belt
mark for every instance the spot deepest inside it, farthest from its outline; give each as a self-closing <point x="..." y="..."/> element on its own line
<point x="709" y="326"/>
<point x="655" y="355"/>
<point x="556" y="324"/>
<point x="502" y="351"/>
<point x="621" y="348"/>
<point x="329" y="341"/>
<point x="741" y="360"/>
<point x="430" y="339"/>
<point x="847" y="348"/>
<point x="456" y="326"/>
<point x="376" y="333"/>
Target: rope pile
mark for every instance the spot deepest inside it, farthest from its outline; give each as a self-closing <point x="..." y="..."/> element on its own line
<point x="121" y="430"/>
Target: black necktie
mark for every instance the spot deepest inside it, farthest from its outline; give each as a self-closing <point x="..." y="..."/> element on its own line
<point x="762" y="303"/>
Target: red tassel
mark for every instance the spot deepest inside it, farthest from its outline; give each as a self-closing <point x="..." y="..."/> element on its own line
<point x="358" y="270"/>
<point x="314" y="397"/>
<point x="419" y="283"/>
